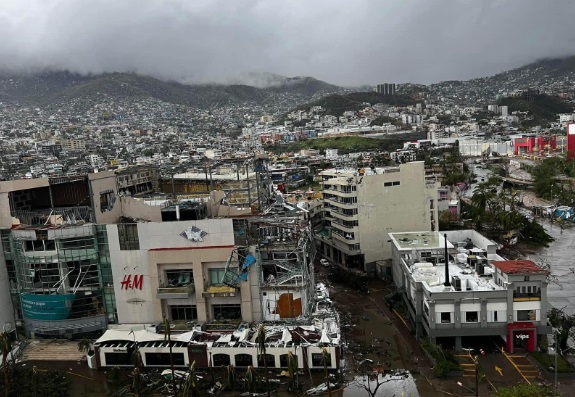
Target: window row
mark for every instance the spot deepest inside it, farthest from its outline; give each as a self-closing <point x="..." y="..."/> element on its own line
<point x="495" y="316"/>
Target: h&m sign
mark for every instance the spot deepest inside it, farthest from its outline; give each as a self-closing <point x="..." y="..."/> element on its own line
<point x="135" y="282"/>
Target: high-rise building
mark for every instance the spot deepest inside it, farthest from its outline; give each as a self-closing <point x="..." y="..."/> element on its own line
<point x="362" y="206"/>
<point x="386" y="89"/>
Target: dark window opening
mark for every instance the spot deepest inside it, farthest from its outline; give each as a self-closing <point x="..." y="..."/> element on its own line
<point x="526" y="315"/>
<point x="113" y="359"/>
<point x="221" y="360"/>
<point x="128" y="236"/>
<point x="179" y="278"/>
<point x="445" y="317"/>
<point x="244" y="360"/>
<point x="163" y="359"/>
<point x="471" y="317"/>
<point x="271" y="360"/>
<point x="181" y="313"/>
<point x="227" y="312"/>
<point x="107" y="200"/>
<point x="317" y="359"/>
<point x="284" y="360"/>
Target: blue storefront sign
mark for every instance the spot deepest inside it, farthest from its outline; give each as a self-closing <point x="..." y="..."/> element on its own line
<point x="46" y="307"/>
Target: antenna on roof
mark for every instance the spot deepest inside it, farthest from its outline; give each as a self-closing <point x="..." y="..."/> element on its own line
<point x="447" y="284"/>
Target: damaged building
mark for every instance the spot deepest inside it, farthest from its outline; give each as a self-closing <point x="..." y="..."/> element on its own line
<point x="86" y="253"/>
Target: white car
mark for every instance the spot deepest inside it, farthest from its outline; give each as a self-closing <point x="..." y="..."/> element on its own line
<point x="324" y="262"/>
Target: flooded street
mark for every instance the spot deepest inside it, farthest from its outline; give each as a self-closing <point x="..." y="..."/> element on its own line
<point x="560" y="256"/>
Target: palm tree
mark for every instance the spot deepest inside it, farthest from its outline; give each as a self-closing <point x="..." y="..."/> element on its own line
<point x="231" y="377"/>
<point x="85" y="346"/>
<point x="6" y="346"/>
<point x="168" y="337"/>
<point x="251" y="379"/>
<point x="261" y="341"/>
<point x="137" y="371"/>
<point x="190" y="388"/>
<point x="325" y="357"/>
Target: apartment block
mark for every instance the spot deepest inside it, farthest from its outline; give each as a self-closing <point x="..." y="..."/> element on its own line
<point x="362" y="206"/>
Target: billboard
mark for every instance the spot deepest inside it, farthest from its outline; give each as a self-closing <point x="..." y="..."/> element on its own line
<point x="46" y="307"/>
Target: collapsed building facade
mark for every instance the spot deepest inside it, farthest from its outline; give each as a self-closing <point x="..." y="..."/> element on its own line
<point x="82" y="255"/>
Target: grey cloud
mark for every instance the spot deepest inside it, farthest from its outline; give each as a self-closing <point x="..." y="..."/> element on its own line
<point x="343" y="42"/>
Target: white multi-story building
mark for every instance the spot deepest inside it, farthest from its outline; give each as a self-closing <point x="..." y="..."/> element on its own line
<point x="362" y="206"/>
<point x="477" y="294"/>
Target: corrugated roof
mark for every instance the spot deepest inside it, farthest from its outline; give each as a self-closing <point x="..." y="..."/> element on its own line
<point x="518" y="267"/>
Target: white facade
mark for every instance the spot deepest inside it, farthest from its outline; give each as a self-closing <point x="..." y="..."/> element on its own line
<point x="361" y="208"/>
<point x="162" y="248"/>
<point x="478" y="294"/>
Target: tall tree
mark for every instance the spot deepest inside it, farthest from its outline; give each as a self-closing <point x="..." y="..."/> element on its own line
<point x="168" y="338"/>
<point x="261" y="345"/>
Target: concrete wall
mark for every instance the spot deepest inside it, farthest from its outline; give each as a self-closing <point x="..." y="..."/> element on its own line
<point x="401" y="208"/>
<point x="161" y="246"/>
<point x="101" y="182"/>
<point x="135" y="208"/>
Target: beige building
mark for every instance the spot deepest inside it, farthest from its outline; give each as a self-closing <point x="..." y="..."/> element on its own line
<point x="157" y="267"/>
<point x="361" y="207"/>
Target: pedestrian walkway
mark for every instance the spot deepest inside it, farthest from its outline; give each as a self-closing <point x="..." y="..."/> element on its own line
<point x="52" y="350"/>
<point x="467" y="362"/>
<point x="522" y="364"/>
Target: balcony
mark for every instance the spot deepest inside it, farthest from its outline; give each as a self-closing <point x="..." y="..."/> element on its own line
<point x="343" y="228"/>
<point x="221" y="291"/>
<point x="525" y="297"/>
<point x="338" y="213"/>
<point x="346" y="238"/>
<point x="166" y="291"/>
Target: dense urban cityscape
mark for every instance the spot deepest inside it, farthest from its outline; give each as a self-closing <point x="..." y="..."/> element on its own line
<point x="172" y="234"/>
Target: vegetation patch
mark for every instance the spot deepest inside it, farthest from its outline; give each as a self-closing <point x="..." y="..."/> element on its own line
<point x="547" y="361"/>
<point x="445" y="362"/>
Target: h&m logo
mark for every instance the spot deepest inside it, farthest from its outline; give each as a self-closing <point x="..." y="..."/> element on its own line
<point x="136" y="283"/>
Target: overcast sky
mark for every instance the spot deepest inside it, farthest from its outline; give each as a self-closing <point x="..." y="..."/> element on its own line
<point x="346" y="42"/>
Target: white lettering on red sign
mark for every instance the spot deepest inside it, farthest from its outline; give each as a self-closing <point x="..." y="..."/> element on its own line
<point x="522" y="336"/>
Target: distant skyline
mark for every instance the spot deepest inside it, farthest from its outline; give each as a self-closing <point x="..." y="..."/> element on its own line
<point x="348" y="43"/>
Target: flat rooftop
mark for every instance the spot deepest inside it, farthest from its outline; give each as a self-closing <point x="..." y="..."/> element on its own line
<point x="420" y="240"/>
<point x="434" y="277"/>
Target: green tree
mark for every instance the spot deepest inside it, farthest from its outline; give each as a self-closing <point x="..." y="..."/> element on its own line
<point x="85" y="346"/>
<point x="524" y="390"/>
<point x="564" y="323"/>
<point x="190" y="386"/>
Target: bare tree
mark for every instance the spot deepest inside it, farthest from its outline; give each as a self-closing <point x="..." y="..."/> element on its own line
<point x="371" y="377"/>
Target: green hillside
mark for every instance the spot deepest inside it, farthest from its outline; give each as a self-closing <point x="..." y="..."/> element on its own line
<point x="338" y="103"/>
<point x="543" y="108"/>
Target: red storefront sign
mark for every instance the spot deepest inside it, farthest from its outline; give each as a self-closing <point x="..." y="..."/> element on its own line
<point x="136" y="283"/>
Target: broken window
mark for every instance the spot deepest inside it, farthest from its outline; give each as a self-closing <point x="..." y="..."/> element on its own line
<point x="107" y="200"/>
<point x="128" y="236"/>
<point x="227" y="312"/>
